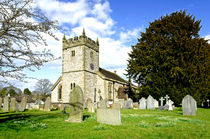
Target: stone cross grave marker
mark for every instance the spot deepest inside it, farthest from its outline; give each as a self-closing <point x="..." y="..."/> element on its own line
<point x="23" y="104"/>
<point x="128" y="104"/>
<point x="47" y="104"/>
<point x="6" y="104"/>
<point x="161" y="101"/>
<point x="13" y="104"/>
<point x="150" y="102"/>
<point x="76" y="105"/>
<point x="189" y="105"/>
<point x="0" y="102"/>
<point x="142" y="103"/>
<point x="167" y="98"/>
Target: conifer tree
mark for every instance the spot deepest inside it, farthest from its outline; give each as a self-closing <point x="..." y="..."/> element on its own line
<point x="171" y="58"/>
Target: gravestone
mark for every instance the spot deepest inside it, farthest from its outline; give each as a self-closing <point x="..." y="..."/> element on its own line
<point x="135" y="105"/>
<point x="189" y="105"/>
<point x="6" y="104"/>
<point x="116" y="105"/>
<point x="91" y="107"/>
<point x="47" y="104"/>
<point x="150" y="102"/>
<point x="109" y="116"/>
<point x="76" y="105"/>
<point x="23" y="104"/>
<point x="142" y="103"/>
<point x="122" y="103"/>
<point x="156" y="103"/>
<point x="161" y="101"/>
<point x="126" y="96"/>
<point x="128" y="104"/>
<point x="170" y="105"/>
<point x="102" y="103"/>
<point x="88" y="101"/>
<point x="13" y="104"/>
<point x="167" y="98"/>
<point x="62" y="107"/>
<point x="0" y="102"/>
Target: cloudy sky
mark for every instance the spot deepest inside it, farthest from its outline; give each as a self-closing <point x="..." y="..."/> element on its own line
<point x="117" y="24"/>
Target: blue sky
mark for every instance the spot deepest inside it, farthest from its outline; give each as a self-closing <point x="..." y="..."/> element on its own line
<point x="117" y="24"/>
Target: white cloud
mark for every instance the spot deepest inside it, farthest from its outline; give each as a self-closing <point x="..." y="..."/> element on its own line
<point x="207" y="37"/>
<point x="129" y="34"/>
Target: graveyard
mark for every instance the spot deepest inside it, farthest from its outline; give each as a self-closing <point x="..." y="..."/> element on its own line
<point x="135" y="124"/>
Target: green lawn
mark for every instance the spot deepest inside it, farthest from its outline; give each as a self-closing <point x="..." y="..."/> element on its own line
<point x="135" y="124"/>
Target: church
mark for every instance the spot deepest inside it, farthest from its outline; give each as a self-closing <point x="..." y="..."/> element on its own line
<point x="80" y="66"/>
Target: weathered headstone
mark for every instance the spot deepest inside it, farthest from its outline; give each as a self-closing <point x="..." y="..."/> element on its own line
<point x="76" y="105"/>
<point x="126" y="96"/>
<point x="0" y="102"/>
<point x="116" y="105"/>
<point x="161" y="101"/>
<point x="6" y="104"/>
<point x="135" y="105"/>
<point x="47" y="104"/>
<point x="189" y="105"/>
<point x="156" y="103"/>
<point x="128" y="104"/>
<point x="88" y="101"/>
<point x="23" y="104"/>
<point x="91" y="107"/>
<point x="102" y="104"/>
<point x="142" y="103"/>
<point x="62" y="107"/>
<point x="150" y="102"/>
<point x="109" y="116"/>
<point x="170" y="105"/>
<point x="13" y="104"/>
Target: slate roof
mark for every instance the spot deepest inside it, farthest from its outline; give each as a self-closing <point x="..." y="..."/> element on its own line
<point x="111" y="75"/>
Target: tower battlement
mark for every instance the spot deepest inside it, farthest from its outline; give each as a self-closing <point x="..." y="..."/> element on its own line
<point x="81" y="40"/>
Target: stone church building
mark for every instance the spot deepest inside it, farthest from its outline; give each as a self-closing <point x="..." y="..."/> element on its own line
<point x="80" y="66"/>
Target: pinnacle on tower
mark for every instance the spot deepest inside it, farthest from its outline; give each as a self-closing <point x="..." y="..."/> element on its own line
<point x="64" y="37"/>
<point x="97" y="42"/>
<point x="83" y="32"/>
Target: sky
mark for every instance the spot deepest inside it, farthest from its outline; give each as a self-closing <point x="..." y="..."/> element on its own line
<point x="116" y="23"/>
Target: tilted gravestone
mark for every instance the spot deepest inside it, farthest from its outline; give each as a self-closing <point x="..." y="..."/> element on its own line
<point x="47" y="104"/>
<point x="76" y="105"/>
<point x="189" y="105"/>
<point x="102" y="103"/>
<point x="128" y="104"/>
<point x="23" y="104"/>
<point x="116" y="105"/>
<point x="13" y="104"/>
<point x="150" y="102"/>
<point x="6" y="104"/>
<point x="0" y="102"/>
<point x="142" y="103"/>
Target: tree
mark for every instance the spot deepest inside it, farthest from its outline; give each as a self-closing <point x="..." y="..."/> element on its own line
<point x="171" y="58"/>
<point x="27" y="91"/>
<point x="43" y="86"/>
<point x="3" y="92"/>
<point x="12" y="92"/>
<point x="22" y="27"/>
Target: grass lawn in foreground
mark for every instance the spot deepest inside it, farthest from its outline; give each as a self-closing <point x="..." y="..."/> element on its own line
<point x="135" y="124"/>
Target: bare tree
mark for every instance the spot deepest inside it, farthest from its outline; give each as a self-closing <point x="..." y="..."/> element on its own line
<point x="43" y="86"/>
<point x="22" y="27"/>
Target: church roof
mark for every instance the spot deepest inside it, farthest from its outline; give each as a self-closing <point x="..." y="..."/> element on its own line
<point x="112" y="75"/>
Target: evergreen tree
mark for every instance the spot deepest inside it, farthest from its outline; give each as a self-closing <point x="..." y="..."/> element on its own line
<point x="27" y="91"/>
<point x="171" y="58"/>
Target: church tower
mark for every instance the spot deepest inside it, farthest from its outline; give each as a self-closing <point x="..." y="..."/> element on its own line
<point x="80" y="63"/>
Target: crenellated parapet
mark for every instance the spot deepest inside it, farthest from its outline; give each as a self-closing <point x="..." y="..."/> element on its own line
<point x="81" y="40"/>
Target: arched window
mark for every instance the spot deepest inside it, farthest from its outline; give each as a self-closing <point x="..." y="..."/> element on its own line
<point x="59" y="92"/>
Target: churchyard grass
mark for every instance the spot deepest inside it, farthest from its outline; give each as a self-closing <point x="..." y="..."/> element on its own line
<point x="135" y="124"/>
